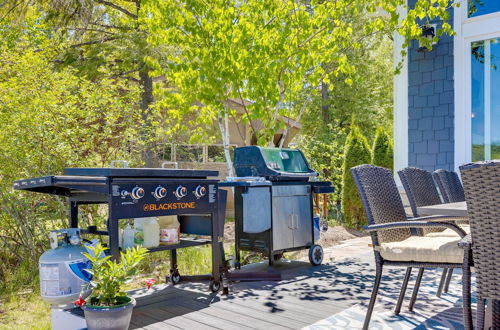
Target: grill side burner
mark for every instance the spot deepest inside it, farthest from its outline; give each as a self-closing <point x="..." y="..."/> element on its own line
<point x="136" y="193"/>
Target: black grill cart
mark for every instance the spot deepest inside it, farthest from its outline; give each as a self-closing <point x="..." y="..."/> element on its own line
<point x="145" y="192"/>
<point x="273" y="194"/>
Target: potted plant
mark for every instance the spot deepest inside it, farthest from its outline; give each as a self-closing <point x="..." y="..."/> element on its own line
<point x="108" y="307"/>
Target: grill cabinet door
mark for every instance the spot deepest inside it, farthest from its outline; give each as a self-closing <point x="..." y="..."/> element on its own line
<point x="282" y="222"/>
<point x="302" y="234"/>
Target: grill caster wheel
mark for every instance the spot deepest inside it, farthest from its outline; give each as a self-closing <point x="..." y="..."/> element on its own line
<point x="214" y="287"/>
<point x="315" y="255"/>
<point x="174" y="278"/>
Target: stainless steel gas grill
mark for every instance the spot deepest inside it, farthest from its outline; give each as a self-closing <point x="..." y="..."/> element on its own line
<point x="273" y="194"/>
<point x="145" y="192"/>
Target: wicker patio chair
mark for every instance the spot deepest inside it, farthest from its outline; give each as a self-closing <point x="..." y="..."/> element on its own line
<point x="482" y="194"/>
<point x="394" y="245"/>
<point x="421" y="191"/>
<point x="449" y="185"/>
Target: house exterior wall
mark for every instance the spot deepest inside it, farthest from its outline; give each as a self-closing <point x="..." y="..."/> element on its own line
<point x="431" y="105"/>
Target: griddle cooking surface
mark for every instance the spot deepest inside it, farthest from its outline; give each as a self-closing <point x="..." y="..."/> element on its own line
<point x="139" y="172"/>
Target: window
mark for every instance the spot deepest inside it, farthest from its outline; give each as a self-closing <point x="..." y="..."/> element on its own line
<point x="482" y="7"/>
<point x="485" y="107"/>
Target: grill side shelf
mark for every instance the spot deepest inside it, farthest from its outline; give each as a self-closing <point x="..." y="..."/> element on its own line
<point x="33" y="182"/>
<point x="62" y="185"/>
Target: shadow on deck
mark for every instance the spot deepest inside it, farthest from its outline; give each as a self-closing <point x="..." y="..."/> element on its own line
<point x="306" y="295"/>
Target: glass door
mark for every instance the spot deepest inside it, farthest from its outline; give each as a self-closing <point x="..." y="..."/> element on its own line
<point x="485" y="99"/>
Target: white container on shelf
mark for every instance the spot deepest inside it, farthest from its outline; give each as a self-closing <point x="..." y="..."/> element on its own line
<point x="151" y="231"/>
<point x="128" y="237"/>
<point x="169" y="230"/>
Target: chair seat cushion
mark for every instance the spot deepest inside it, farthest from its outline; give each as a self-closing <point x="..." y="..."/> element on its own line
<point x="449" y="232"/>
<point x="440" y="249"/>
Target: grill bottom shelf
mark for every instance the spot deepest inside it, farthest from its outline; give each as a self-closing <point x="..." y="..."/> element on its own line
<point x="185" y="242"/>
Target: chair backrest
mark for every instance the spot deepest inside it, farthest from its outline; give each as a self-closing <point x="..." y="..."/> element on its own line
<point x="449" y="185"/>
<point x="419" y="187"/>
<point x="439" y="177"/>
<point x="482" y="193"/>
<point x="381" y="200"/>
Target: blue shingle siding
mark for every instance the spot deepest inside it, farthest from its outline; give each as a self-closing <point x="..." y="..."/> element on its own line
<point x="431" y="105"/>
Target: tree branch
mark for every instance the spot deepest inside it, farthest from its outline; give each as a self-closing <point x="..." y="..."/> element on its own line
<point x="110" y="26"/>
<point x="112" y="5"/>
<point x="89" y="30"/>
<point x="94" y="42"/>
<point x="121" y="74"/>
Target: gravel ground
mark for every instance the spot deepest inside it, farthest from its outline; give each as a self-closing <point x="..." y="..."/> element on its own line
<point x="334" y="236"/>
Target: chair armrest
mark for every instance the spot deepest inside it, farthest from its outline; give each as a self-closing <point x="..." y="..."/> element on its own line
<point x="439" y="218"/>
<point x="466" y="242"/>
<point x="415" y="224"/>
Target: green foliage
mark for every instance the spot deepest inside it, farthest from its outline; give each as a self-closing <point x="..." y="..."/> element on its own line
<point x="109" y="276"/>
<point x="382" y="151"/>
<point x="356" y="152"/>
<point x="267" y="51"/>
<point x="50" y="118"/>
<point x="324" y="150"/>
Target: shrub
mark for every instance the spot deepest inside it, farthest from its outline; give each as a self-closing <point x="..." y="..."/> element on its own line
<point x="109" y="276"/>
<point x="356" y="152"/>
<point x="383" y="154"/>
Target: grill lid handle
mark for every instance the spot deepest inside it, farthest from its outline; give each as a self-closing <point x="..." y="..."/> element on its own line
<point x="123" y="162"/>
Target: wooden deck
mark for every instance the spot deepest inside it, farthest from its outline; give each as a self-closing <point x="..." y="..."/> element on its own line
<point x="331" y="296"/>
<point x="305" y="295"/>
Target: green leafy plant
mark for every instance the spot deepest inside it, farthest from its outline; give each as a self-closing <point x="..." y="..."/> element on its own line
<point x="109" y="276"/>
<point x="357" y="152"/>
<point x="383" y="152"/>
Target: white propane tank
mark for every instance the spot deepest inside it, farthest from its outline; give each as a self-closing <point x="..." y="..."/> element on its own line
<point x="62" y="274"/>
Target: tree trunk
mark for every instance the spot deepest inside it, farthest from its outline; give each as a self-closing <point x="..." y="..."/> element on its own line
<point x="148" y="152"/>
<point x="324" y="103"/>
<point x="223" y="123"/>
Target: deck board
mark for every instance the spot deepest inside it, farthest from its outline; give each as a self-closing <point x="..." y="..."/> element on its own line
<point x="305" y="295"/>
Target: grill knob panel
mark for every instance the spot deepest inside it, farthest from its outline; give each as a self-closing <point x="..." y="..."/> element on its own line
<point x="137" y="193"/>
<point x="180" y="192"/>
<point x="200" y="191"/>
<point x="160" y="192"/>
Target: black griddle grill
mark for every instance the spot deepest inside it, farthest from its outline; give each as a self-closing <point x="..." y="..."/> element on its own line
<point x="137" y="192"/>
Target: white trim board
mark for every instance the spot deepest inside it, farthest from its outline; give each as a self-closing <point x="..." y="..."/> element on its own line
<point x="400" y="104"/>
<point x="467" y="31"/>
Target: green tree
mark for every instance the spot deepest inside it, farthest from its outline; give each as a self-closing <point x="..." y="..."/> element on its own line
<point x="326" y="122"/>
<point x="51" y="119"/>
<point x="382" y="151"/>
<point x="101" y="40"/>
<point x="266" y="51"/>
<point x="357" y="152"/>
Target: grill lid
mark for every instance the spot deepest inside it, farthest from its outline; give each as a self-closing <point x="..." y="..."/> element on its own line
<point x="272" y="163"/>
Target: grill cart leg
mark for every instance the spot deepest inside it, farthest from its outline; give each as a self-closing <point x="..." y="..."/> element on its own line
<point x="271" y="259"/>
<point x="325" y="212"/>
<point x="216" y="254"/>
<point x="113" y="238"/>
<point x="174" y="276"/>
<point x="73" y="214"/>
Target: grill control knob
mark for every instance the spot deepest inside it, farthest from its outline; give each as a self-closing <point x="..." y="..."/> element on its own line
<point x="180" y="192"/>
<point x="200" y="191"/>
<point x="137" y="193"/>
<point x="160" y="192"/>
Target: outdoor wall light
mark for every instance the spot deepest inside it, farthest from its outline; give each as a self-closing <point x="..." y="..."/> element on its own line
<point x="428" y="32"/>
